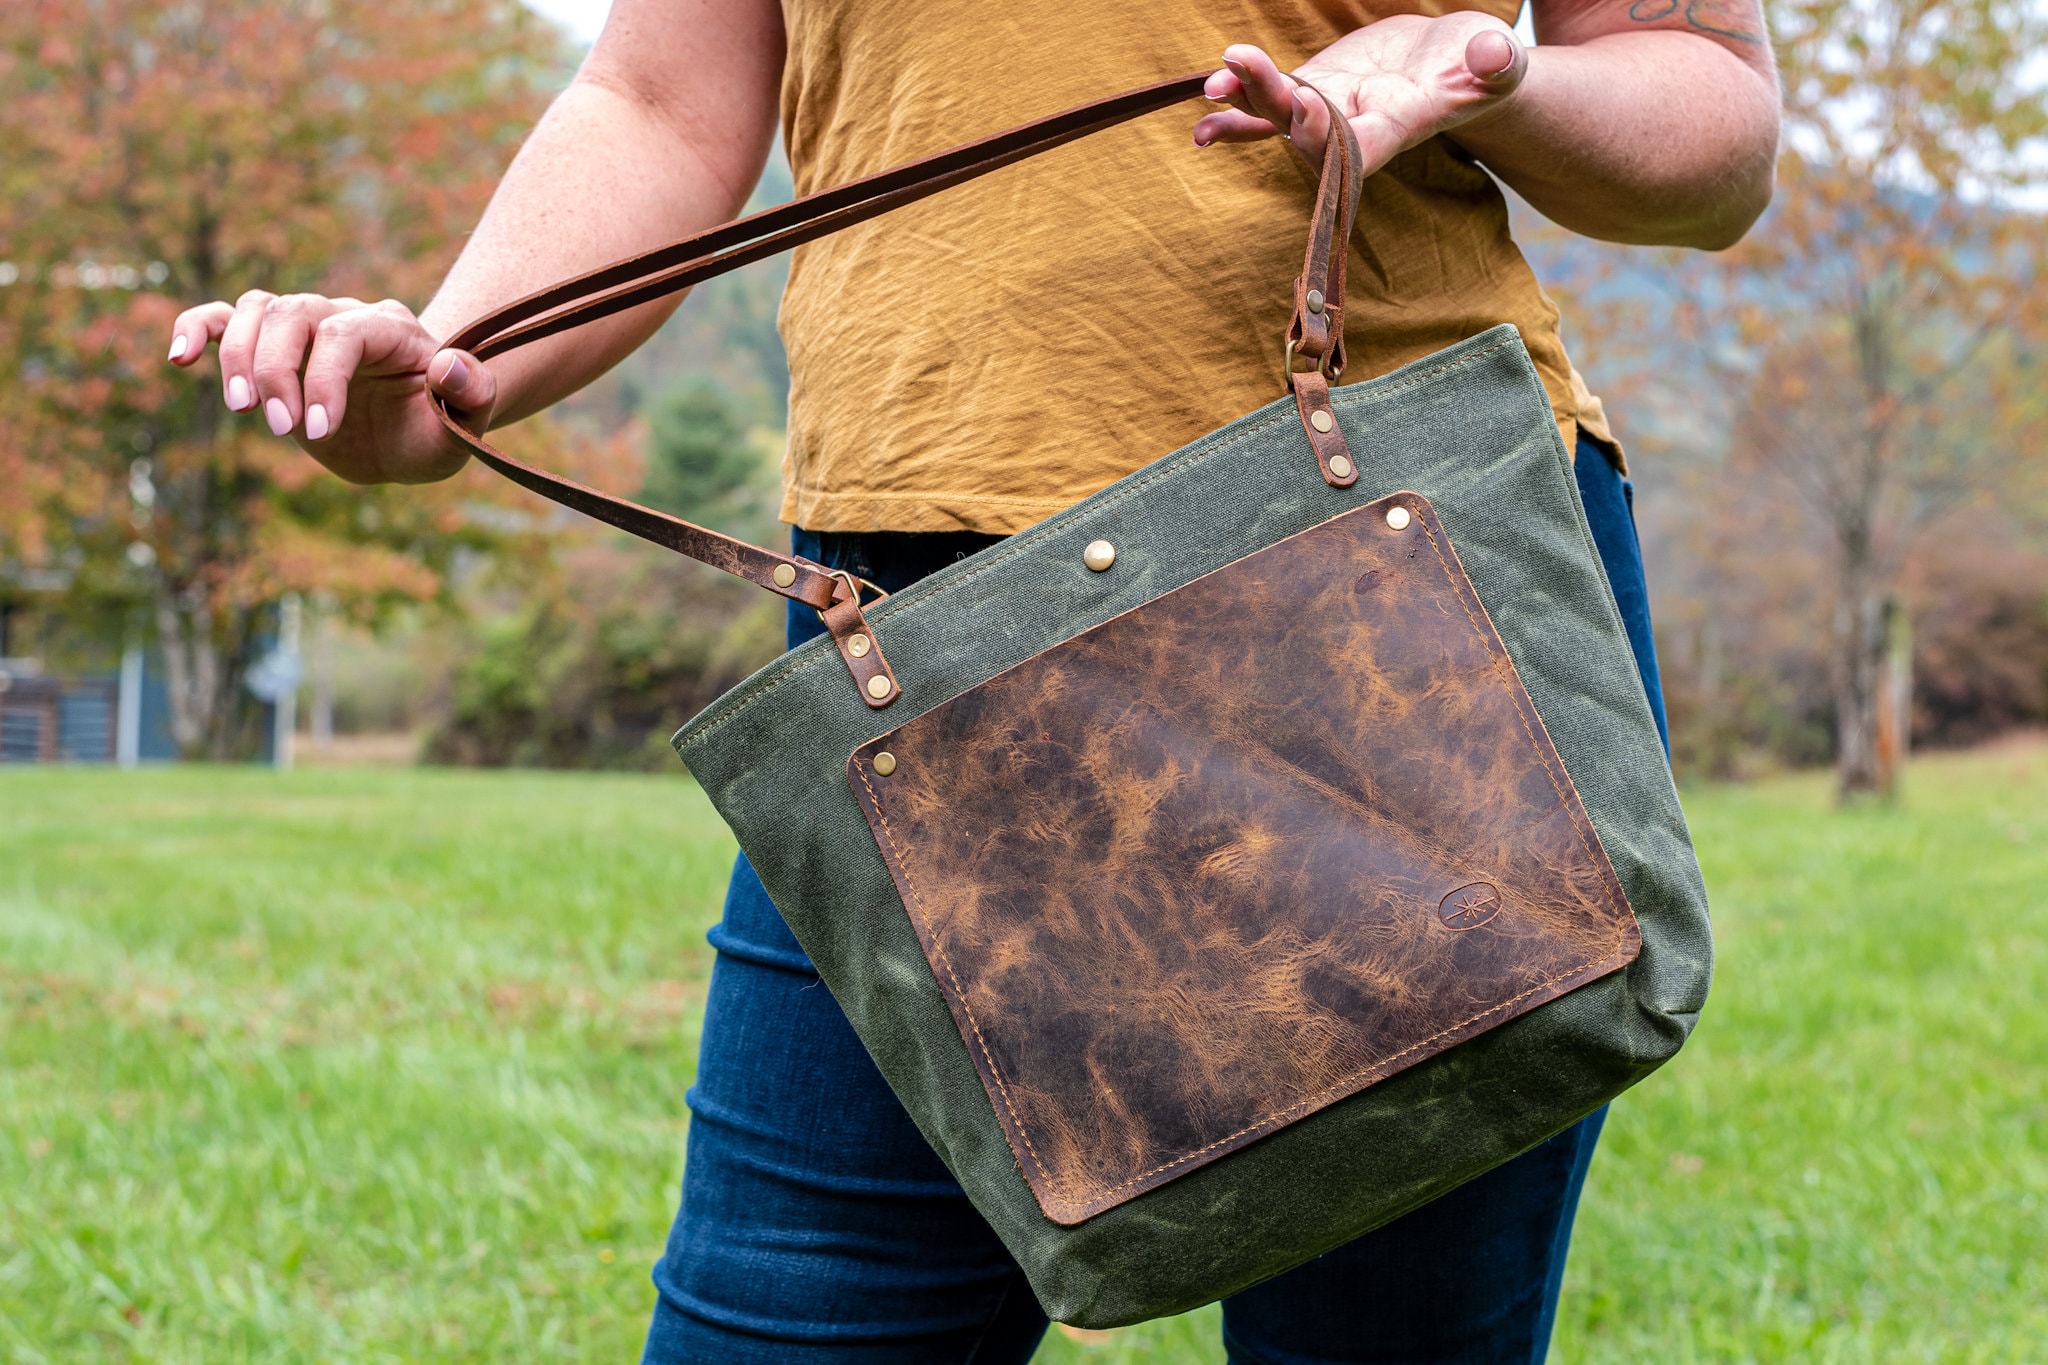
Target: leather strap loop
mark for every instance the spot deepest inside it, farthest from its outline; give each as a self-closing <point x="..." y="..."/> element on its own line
<point x="859" y="649"/>
<point x="1317" y="329"/>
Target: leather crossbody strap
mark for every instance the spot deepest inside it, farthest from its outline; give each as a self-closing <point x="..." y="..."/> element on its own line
<point x="1315" y="334"/>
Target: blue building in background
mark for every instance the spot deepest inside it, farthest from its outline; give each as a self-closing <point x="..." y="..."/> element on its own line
<point x="75" y="712"/>
<point x="122" y="717"/>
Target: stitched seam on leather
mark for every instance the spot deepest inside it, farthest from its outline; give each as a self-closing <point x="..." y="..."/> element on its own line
<point x="1337" y="1089"/>
<point x="959" y="991"/>
<point x="1020" y="544"/>
<point x="1384" y="1066"/>
<point x="1507" y="675"/>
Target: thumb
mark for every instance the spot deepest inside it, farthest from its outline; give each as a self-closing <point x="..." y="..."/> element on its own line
<point x="1497" y="60"/>
<point x="461" y="379"/>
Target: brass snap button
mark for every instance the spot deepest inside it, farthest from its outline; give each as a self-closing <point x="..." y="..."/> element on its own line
<point x="1099" y="555"/>
<point x="784" y="575"/>
<point x="1340" y="466"/>
<point x="885" y="763"/>
<point x="1398" y="518"/>
<point x="859" y="646"/>
<point x="878" y="686"/>
<point x="1315" y="300"/>
<point x="1321" y="421"/>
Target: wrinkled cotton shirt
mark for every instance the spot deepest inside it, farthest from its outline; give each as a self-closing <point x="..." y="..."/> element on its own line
<point x="989" y="356"/>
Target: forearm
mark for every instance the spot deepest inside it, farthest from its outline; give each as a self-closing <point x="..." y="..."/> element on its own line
<point x="664" y="131"/>
<point x="623" y="161"/>
<point x="1663" y="137"/>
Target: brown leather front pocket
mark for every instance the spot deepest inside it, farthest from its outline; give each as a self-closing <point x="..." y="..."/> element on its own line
<point x="1240" y="852"/>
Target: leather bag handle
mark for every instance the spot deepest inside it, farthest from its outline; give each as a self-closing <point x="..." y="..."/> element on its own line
<point x="1315" y="333"/>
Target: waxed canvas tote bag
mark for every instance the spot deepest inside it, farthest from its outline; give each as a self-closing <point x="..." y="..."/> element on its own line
<point x="1254" y="851"/>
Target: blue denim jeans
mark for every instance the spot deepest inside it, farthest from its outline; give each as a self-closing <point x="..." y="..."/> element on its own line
<point x="818" y="1226"/>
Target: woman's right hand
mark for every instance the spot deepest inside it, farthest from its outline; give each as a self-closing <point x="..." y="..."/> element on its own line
<point x="362" y="407"/>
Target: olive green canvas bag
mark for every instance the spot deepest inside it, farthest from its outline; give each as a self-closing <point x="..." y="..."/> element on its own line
<point x="1252" y="852"/>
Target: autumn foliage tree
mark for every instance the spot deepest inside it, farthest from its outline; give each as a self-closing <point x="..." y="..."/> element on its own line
<point x="1892" y="302"/>
<point x="1857" y="376"/>
<point x="159" y="155"/>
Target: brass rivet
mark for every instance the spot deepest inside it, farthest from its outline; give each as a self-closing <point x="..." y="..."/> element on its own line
<point x="1315" y="300"/>
<point x="1398" y="518"/>
<point x="1099" y="555"/>
<point x="785" y="574"/>
<point x="1340" y="466"/>
<point x="859" y="646"/>
<point x="878" y="686"/>
<point x="1321" y="421"/>
<point x="885" y="763"/>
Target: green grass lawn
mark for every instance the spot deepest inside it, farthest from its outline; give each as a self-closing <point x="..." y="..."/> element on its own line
<point x="389" y="1066"/>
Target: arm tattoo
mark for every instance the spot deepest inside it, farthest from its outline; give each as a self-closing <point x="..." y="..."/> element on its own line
<point x="1735" y="19"/>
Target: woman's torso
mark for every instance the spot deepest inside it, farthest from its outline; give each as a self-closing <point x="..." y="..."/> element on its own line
<point x="987" y="357"/>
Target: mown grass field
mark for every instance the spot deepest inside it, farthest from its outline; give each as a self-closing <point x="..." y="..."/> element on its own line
<point x="361" y="1066"/>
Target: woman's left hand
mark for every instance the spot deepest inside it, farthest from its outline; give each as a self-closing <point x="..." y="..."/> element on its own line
<point x="1399" y="82"/>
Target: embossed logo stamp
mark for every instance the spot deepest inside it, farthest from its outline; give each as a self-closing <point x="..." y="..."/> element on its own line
<point x="1469" y="906"/>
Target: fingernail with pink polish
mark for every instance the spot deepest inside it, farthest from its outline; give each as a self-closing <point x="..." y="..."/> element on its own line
<point x="278" y="415"/>
<point x="316" y="423"/>
<point x="178" y="345"/>
<point x="239" y="397"/>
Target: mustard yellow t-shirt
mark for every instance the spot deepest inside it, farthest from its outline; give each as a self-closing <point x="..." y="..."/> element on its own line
<point x="990" y="356"/>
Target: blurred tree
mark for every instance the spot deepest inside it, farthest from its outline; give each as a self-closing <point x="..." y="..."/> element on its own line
<point x="617" y="642"/>
<point x="1982" y="661"/>
<point x="1862" y="368"/>
<point x="601" y="659"/>
<point x="699" y="454"/>
<point x="159" y="155"/>
<point x="1893" y="298"/>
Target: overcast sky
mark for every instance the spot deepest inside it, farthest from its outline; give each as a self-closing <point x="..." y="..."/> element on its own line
<point x="583" y="18"/>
